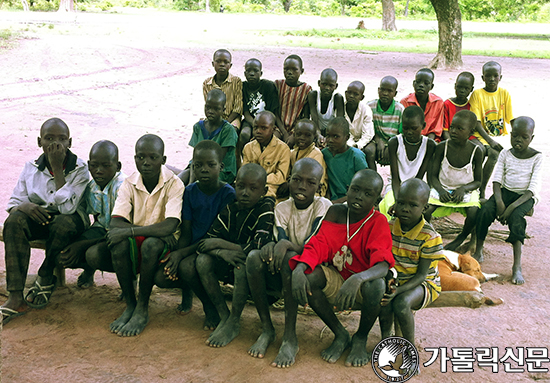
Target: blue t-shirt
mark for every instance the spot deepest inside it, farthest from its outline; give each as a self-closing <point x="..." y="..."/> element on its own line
<point x="341" y="168"/>
<point x="202" y="209"/>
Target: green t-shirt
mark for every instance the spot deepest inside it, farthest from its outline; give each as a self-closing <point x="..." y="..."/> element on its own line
<point x="227" y="137"/>
<point x="341" y="168"/>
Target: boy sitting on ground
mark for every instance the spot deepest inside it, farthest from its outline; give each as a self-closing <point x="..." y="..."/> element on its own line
<point x="231" y="85"/>
<point x="292" y="97"/>
<point x="359" y="117"/>
<point x="493" y="108"/>
<point x="258" y="95"/>
<point x="268" y="151"/>
<point x="516" y="187"/>
<point x="342" y="160"/>
<point x="242" y="226"/>
<point x="203" y="200"/>
<point x="355" y="241"/>
<point x="417" y="248"/>
<point x="386" y="117"/>
<point x="99" y="197"/>
<point x="456" y="175"/>
<point x="431" y="104"/>
<point x="464" y="85"/>
<point x="324" y="104"/>
<point x="296" y="220"/>
<point x="144" y="228"/>
<point x="215" y="128"/>
<point x="45" y="204"/>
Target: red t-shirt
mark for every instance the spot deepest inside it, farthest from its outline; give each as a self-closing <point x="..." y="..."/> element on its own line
<point x="449" y="111"/>
<point x="372" y="244"/>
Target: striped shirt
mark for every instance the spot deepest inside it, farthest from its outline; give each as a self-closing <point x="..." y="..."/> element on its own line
<point x="251" y="228"/>
<point x="100" y="203"/>
<point x="291" y="100"/>
<point x="233" y="89"/>
<point x="519" y="175"/>
<point x="386" y="123"/>
<point x="408" y="248"/>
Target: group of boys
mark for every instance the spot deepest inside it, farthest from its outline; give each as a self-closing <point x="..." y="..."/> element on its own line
<point x="329" y="253"/>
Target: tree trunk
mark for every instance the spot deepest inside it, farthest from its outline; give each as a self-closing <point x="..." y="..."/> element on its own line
<point x="66" y="6"/>
<point x="388" y="16"/>
<point x="406" y="13"/>
<point x="287" y="4"/>
<point x="207" y="6"/>
<point x="449" y="23"/>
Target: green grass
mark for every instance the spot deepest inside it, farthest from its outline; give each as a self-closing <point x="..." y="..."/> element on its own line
<point x="417" y="41"/>
<point x="6" y="38"/>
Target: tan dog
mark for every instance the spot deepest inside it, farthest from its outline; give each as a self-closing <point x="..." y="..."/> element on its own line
<point x="461" y="272"/>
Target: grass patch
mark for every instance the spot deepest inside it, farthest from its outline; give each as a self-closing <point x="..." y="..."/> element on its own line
<point x="418" y="41"/>
<point x="7" y="37"/>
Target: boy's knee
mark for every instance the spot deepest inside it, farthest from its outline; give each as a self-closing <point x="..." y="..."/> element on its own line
<point x="317" y="278"/>
<point x="370" y="150"/>
<point x="204" y="263"/>
<point x="400" y="306"/>
<point x="254" y="262"/>
<point x="16" y="221"/>
<point x="187" y="268"/>
<point x="151" y="248"/>
<point x="492" y="155"/>
<point x="120" y="251"/>
<point x="373" y="290"/>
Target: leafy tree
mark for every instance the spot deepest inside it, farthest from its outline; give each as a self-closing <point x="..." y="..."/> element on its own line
<point x="388" y="16"/>
<point x="449" y="24"/>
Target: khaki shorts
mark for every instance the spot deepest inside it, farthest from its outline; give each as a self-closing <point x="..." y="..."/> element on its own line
<point x="334" y="283"/>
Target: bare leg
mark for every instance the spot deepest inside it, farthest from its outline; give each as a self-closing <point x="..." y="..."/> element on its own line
<point x="123" y="268"/>
<point x="255" y="270"/>
<point x="469" y="227"/>
<point x="372" y="292"/>
<point x="428" y="213"/>
<point x="386" y="321"/>
<point x="517" y="277"/>
<point x="289" y="348"/>
<point x="370" y="153"/>
<point x="402" y="305"/>
<point x="492" y="156"/>
<point x="151" y="249"/>
<point x="319" y="303"/>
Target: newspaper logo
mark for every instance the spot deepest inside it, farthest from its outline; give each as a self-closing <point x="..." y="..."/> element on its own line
<point x="395" y="359"/>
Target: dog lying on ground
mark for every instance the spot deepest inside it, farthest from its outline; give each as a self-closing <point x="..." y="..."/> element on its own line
<point x="461" y="272"/>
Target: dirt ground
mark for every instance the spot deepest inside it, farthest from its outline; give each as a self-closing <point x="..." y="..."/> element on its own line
<point x="116" y="77"/>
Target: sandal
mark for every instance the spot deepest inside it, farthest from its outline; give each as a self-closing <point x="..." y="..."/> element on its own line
<point x="37" y="290"/>
<point x="8" y="314"/>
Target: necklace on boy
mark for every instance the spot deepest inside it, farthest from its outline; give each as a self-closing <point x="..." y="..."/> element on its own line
<point x="413" y="143"/>
<point x="344" y="255"/>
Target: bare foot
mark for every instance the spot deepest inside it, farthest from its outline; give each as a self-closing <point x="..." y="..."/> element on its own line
<point x="118" y="324"/>
<point x="259" y="348"/>
<point x="517" y="277"/>
<point x="85" y="279"/>
<point x="358" y="356"/>
<point x="287" y="354"/>
<point x="478" y="256"/>
<point x="211" y="320"/>
<point x="337" y="348"/>
<point x="136" y="324"/>
<point x="225" y="333"/>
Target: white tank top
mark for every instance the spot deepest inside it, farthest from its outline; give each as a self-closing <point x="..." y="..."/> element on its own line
<point x="329" y="114"/>
<point x="452" y="178"/>
<point x="409" y="169"/>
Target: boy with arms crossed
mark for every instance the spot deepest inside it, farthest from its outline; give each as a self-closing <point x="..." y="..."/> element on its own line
<point x="45" y="204"/>
<point x="144" y="227"/>
<point x="356" y="241"/>
<point x="99" y="197"/>
<point x="242" y="226"/>
<point x="296" y="220"/>
<point x="231" y="85"/>
<point x="324" y="104"/>
<point x="417" y="248"/>
<point x="516" y="187"/>
<point x="359" y="117"/>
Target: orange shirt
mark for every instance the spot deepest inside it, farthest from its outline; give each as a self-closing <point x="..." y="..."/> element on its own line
<point x="433" y="113"/>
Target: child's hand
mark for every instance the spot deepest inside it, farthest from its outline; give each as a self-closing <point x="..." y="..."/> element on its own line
<point x="495" y="145"/>
<point x="445" y="196"/>
<point x="236" y="258"/>
<point x="37" y="213"/>
<point x="504" y="217"/>
<point x="69" y="256"/>
<point x="279" y="253"/>
<point x="56" y="155"/>
<point x="458" y="195"/>
<point x="209" y="244"/>
<point x="117" y="235"/>
<point x="266" y="253"/>
<point x="170" y="240"/>
<point x="321" y="140"/>
<point x="385" y="158"/>
<point x="345" y="299"/>
<point x="387" y="298"/>
<point x="171" y="262"/>
<point x="300" y="287"/>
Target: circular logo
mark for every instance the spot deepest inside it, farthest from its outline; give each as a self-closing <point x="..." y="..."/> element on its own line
<point x="395" y="359"/>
